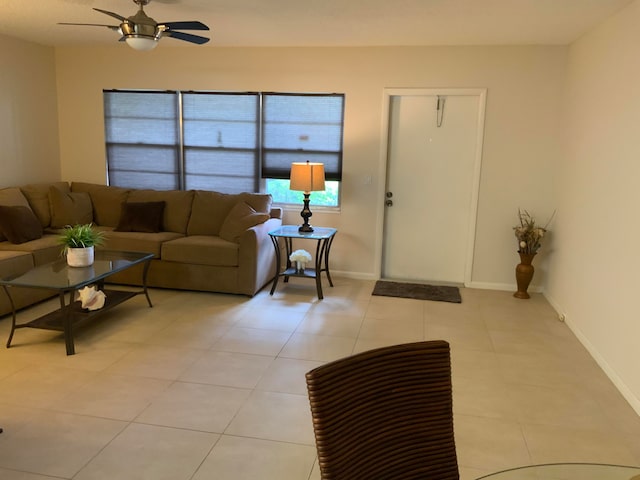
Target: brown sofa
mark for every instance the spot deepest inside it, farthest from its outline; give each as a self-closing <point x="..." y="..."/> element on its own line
<point x="206" y="241"/>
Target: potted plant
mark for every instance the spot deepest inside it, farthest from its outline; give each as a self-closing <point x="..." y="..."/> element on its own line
<point x="79" y="242"/>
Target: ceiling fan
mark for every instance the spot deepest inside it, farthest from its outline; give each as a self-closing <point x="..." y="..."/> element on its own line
<point x="142" y="32"/>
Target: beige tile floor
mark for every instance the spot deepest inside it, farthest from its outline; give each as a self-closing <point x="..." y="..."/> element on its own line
<point x="209" y="386"/>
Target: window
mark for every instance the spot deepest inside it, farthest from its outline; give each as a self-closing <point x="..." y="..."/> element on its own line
<point x="220" y="141"/>
<point x="142" y="140"/>
<point x="227" y="142"/>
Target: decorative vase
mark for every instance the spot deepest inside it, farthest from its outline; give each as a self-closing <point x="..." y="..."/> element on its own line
<point x="80" y="257"/>
<point x="524" y="274"/>
<point x="300" y="266"/>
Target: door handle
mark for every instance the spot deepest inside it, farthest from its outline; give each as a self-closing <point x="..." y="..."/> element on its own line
<point x="388" y="202"/>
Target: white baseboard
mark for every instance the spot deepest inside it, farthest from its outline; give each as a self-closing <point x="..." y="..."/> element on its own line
<point x="593" y="351"/>
<point x="354" y="275"/>
<point x="501" y="286"/>
<point x="479" y="285"/>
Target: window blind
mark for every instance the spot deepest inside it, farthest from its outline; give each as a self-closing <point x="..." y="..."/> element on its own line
<point x="218" y="141"/>
<point x="301" y="127"/>
<point x="221" y="141"/>
<point x="142" y="139"/>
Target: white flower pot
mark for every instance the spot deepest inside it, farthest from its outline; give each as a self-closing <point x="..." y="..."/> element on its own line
<point x="80" y="257"/>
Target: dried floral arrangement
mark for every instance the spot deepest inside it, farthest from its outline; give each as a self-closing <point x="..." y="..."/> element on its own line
<point x="529" y="233"/>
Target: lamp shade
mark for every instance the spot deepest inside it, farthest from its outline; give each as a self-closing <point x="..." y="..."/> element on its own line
<point x="307" y="177"/>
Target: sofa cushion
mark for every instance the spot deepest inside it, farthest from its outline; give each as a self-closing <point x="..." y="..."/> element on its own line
<point x="177" y="206"/>
<point x="241" y="217"/>
<point x="141" y="217"/>
<point x="14" y="263"/>
<point x="106" y="201"/>
<point x="45" y="249"/>
<point x="201" y="250"/>
<point x="69" y="208"/>
<point x="209" y="211"/>
<point x="38" y="196"/>
<point x="11" y="197"/>
<point x="19" y="224"/>
<point x="138" y="241"/>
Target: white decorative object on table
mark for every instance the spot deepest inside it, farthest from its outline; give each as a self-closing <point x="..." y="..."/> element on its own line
<point x="300" y="258"/>
<point x="92" y="298"/>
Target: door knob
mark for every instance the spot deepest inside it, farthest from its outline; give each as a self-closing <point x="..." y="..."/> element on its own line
<point x="388" y="202"/>
<point x="389" y="194"/>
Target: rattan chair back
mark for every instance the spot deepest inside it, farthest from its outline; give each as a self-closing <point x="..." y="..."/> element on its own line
<point x="385" y="414"/>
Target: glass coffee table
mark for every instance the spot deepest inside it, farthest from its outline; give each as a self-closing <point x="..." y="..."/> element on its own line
<point x="568" y="471"/>
<point x="65" y="280"/>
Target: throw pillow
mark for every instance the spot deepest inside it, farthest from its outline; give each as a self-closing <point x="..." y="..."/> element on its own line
<point x="11" y="197"/>
<point x="260" y="202"/>
<point x="19" y="224"/>
<point x="241" y="217"/>
<point x="38" y="196"/>
<point x="69" y="208"/>
<point x="141" y="217"/>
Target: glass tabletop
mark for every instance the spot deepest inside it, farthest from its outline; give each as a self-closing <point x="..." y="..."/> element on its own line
<point x="568" y="471"/>
<point x="291" y="231"/>
<point x="59" y="276"/>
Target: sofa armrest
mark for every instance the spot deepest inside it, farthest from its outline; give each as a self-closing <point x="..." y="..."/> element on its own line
<point x="256" y="257"/>
<point x="257" y="232"/>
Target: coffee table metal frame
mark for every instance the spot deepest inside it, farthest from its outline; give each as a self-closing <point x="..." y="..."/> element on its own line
<point x="323" y="236"/>
<point x="567" y="471"/>
<point x="65" y="280"/>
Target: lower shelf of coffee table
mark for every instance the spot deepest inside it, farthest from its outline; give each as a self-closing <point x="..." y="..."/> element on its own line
<point x="55" y="320"/>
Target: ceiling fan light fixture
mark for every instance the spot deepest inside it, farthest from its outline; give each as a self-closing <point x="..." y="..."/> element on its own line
<point x="141" y="43"/>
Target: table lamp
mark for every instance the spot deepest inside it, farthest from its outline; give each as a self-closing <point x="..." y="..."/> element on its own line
<point x="306" y="177"/>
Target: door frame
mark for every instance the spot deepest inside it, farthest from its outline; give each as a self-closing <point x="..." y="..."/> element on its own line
<point x="388" y="94"/>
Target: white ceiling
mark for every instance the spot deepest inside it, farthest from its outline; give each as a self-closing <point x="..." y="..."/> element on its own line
<point x="320" y="22"/>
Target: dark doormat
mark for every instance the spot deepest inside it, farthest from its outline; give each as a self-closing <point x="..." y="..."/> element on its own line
<point x="437" y="293"/>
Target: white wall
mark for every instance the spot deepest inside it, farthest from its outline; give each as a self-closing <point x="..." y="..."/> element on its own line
<point x="594" y="268"/>
<point x="521" y="145"/>
<point x="29" y="150"/>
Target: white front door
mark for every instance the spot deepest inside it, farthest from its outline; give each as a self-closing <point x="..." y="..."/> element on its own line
<point x="433" y="166"/>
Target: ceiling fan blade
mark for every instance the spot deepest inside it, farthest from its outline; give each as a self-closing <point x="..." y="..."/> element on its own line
<point x="186" y="37"/>
<point x="111" y="27"/>
<point x="186" y="25"/>
<point x="114" y="15"/>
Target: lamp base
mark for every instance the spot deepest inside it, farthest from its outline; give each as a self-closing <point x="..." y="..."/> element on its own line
<point x="305" y="214"/>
